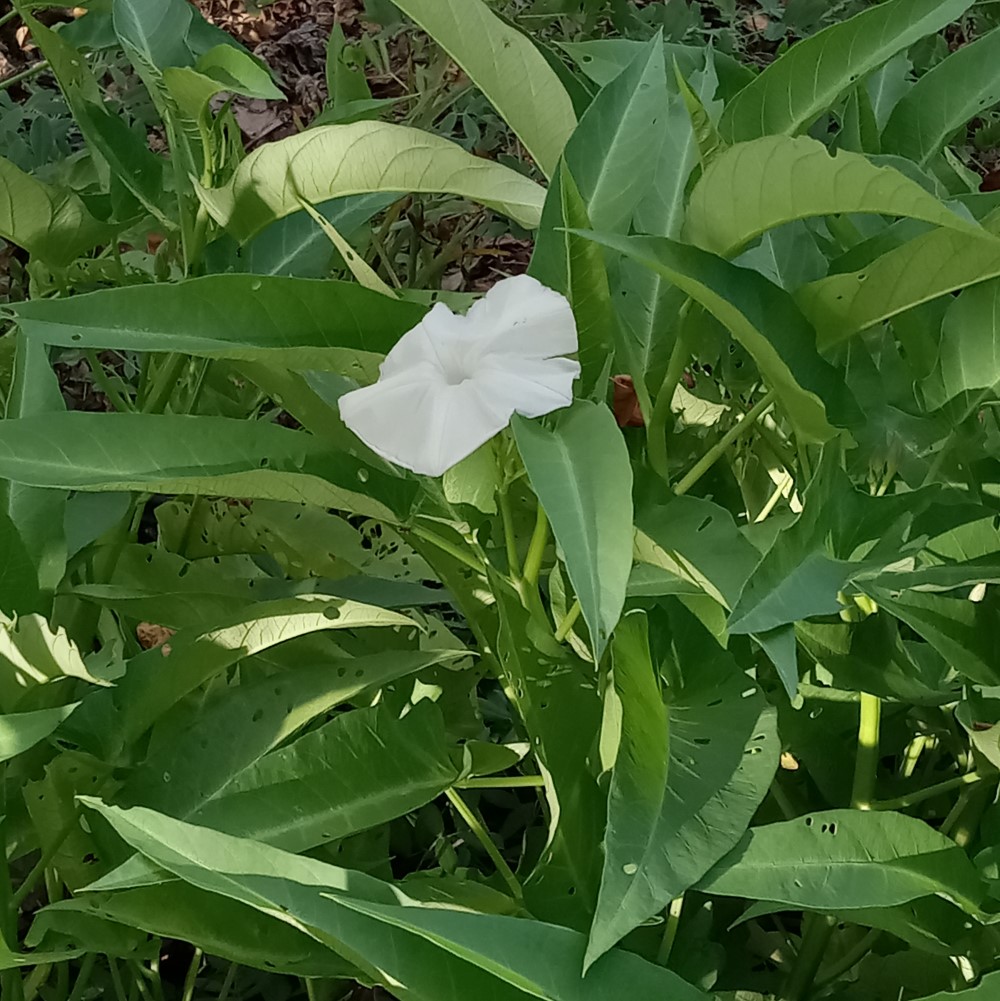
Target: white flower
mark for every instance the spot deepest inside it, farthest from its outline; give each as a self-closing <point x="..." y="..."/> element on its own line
<point x="452" y="382"/>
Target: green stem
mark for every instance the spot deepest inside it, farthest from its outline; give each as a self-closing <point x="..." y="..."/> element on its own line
<point x="814" y="942"/>
<point x="569" y="620"/>
<point x="448" y="547"/>
<point x="38" y="871"/>
<point x="511" y="782"/>
<point x="9" y="16"/>
<point x="10" y="980"/>
<point x="105" y="384"/>
<point x="712" y="456"/>
<point x="670" y="930"/>
<point x="479" y="830"/>
<point x="116" y="980"/>
<point x="656" y="427"/>
<point x="27" y="74"/>
<point x="83" y="977"/>
<point x="165" y="383"/>
<point x="510" y="539"/>
<point x="949" y="785"/>
<point x="866" y="762"/>
<point x="192" y="976"/>
<point x="227" y="983"/>
<point x="850" y="959"/>
<point x="536" y="548"/>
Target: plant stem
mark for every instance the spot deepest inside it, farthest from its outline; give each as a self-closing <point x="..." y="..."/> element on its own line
<point x="911" y="799"/>
<point x="11" y="984"/>
<point x="569" y="620"/>
<point x="227" y="983"/>
<point x="670" y="930"/>
<point x="9" y="16"/>
<point x="192" y="975"/>
<point x="510" y="539"/>
<point x="105" y="385"/>
<point x="850" y="959"/>
<point x="448" y="547"/>
<point x="479" y="830"/>
<point x="116" y="980"/>
<point x="712" y="456"/>
<point x="536" y="548"/>
<point x="511" y="782"/>
<point x="165" y="383"/>
<point x="47" y="856"/>
<point x="656" y="426"/>
<point x="83" y="977"/>
<point x="866" y="762"/>
<point x="814" y="943"/>
<point x="27" y="74"/>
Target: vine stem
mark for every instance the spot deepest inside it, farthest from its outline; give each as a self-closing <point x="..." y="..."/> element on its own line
<point x="712" y="456"/>
<point x="656" y="428"/>
<point x="911" y="799"/>
<point x="510" y="539"/>
<point x="569" y="620"/>
<point x="27" y="74"/>
<point x="670" y="930"/>
<point x="510" y="782"/>
<point x="479" y="830"/>
<point x="866" y="762"/>
<point x="536" y="548"/>
<point x="850" y="959"/>
<point x="448" y="547"/>
<point x="814" y="943"/>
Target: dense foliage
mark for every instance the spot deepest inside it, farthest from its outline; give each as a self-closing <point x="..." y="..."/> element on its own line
<point x="688" y="690"/>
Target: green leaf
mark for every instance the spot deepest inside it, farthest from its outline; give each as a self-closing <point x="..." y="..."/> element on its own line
<point x="688" y="777"/>
<point x="647" y="305"/>
<point x="108" y="135"/>
<point x="440" y="954"/>
<point x="763" y="318"/>
<point x="587" y="290"/>
<point x="20" y="732"/>
<point x="556" y="697"/>
<point x="215" y="924"/>
<point x="962" y="631"/>
<point x="366" y="157"/>
<point x="755" y="186"/>
<point x="621" y="135"/>
<point x="984" y="991"/>
<point x="922" y="269"/>
<point x="945" y="99"/>
<point x="969" y="350"/>
<point x="580" y="471"/>
<point x="809" y="78"/>
<point x="295" y="247"/>
<point x="112" y="719"/>
<point x="846" y="859"/>
<point x="18" y="576"/>
<point x="698" y="541"/>
<point x="215" y="456"/>
<point x="362" y="769"/>
<point x="32" y="653"/>
<point x="507" y="67"/>
<point x="298" y="323"/>
<point x="36" y="514"/>
<point x="50" y="224"/>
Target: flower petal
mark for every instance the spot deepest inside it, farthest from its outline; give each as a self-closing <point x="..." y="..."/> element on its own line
<point x="528" y="386"/>
<point x="440" y="338"/>
<point x="420" y="422"/>
<point x="520" y="316"/>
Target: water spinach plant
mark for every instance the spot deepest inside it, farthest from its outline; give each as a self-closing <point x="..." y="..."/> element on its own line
<point x="628" y="631"/>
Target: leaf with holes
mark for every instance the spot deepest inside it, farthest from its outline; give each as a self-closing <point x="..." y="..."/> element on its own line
<point x="688" y="777"/>
<point x="840" y="860"/>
